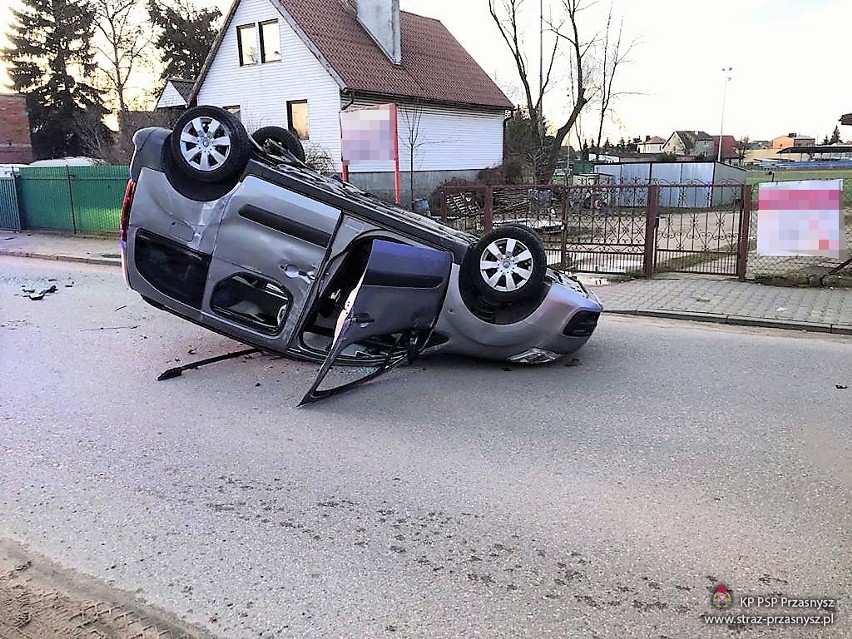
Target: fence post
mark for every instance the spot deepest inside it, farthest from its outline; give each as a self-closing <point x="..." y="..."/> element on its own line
<point x="742" y="243"/>
<point x="651" y="213"/>
<point x="563" y="246"/>
<point x="71" y="199"/>
<point x="443" y="209"/>
<point x="488" y="217"/>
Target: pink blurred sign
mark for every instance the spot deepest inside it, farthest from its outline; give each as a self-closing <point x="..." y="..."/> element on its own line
<point x="801" y="218"/>
<point x="369" y="134"/>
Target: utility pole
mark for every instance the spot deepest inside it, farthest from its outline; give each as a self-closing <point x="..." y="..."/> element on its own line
<point x="727" y="77"/>
<point x="541" y="65"/>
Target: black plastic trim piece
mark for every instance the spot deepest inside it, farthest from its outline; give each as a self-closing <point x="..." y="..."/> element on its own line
<point x="285" y="225"/>
<point x="583" y="324"/>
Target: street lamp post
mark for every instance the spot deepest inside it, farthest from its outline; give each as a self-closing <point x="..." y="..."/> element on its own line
<point x="727" y="76"/>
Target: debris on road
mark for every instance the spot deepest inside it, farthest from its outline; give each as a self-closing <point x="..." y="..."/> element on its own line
<point x="840" y="386"/>
<point x="40" y="293"/>
<point x="177" y="371"/>
<point x="575" y="361"/>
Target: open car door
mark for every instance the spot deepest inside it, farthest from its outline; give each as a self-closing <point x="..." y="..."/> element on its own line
<point x="387" y="318"/>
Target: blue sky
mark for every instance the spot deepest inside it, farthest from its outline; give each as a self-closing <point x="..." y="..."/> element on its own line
<point x="787" y="56"/>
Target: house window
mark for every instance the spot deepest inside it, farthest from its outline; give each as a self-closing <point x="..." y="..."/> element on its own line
<point x="234" y="110"/>
<point x="247" y="44"/>
<point x="270" y="42"/>
<point x="297" y="117"/>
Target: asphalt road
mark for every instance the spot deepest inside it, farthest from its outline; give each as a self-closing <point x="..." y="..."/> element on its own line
<point x="449" y="499"/>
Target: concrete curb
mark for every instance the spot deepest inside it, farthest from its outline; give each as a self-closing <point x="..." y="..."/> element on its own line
<point x="737" y="320"/>
<point x="103" y="261"/>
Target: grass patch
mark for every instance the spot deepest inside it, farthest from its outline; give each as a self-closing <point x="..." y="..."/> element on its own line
<point x="684" y="262"/>
<point x="762" y="175"/>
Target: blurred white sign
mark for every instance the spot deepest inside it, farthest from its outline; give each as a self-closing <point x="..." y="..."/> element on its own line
<point x="801" y="218"/>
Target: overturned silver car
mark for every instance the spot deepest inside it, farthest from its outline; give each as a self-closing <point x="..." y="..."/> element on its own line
<point x="234" y="232"/>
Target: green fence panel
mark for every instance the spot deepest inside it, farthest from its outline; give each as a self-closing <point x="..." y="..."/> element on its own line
<point x="46" y="198"/>
<point x="74" y="199"/>
<point x="97" y="193"/>
<point x="10" y="215"/>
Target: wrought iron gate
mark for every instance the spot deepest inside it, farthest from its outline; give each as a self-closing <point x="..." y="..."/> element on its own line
<point x="634" y="229"/>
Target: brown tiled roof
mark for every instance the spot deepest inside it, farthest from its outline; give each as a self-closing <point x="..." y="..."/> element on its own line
<point x="434" y="68"/>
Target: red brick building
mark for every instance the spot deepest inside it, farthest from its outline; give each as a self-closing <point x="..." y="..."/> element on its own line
<point x="15" y="144"/>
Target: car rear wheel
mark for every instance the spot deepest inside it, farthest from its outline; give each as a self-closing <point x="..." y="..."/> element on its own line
<point x="209" y="144"/>
<point x="271" y="136"/>
<point x="508" y="264"/>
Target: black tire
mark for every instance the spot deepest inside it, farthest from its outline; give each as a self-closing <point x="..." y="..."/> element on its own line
<point x="280" y="135"/>
<point x="208" y="144"/>
<point x="519" y="264"/>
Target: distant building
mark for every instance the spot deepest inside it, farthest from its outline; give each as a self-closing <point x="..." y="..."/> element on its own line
<point x="846" y="119"/>
<point x="729" y="147"/>
<point x="15" y="142"/>
<point x="792" y="139"/>
<point x="694" y="144"/>
<point x="653" y="144"/>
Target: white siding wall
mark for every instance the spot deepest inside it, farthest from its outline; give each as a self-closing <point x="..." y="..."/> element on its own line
<point x="262" y="90"/>
<point x="447" y="140"/>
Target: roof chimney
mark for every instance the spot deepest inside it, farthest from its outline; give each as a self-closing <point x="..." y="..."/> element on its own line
<point x="380" y="18"/>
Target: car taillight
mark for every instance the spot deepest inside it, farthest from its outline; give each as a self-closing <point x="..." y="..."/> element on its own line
<point x="125" y="210"/>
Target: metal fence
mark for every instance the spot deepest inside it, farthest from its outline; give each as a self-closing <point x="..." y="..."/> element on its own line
<point x="634" y="229"/>
<point x="10" y="214"/>
<point x="75" y="199"/>
<point x="798" y="269"/>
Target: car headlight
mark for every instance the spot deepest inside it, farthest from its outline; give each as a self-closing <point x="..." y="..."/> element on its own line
<point x="535" y="356"/>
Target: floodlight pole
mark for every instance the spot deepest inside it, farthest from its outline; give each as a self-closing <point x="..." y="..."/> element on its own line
<point x="727" y="79"/>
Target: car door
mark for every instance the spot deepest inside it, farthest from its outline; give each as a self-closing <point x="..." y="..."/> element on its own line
<point x="269" y="249"/>
<point x="389" y="316"/>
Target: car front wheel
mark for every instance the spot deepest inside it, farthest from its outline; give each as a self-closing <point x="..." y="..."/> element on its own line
<point x="508" y="264"/>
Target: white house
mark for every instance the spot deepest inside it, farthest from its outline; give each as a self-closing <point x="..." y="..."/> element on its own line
<point x="652" y="145"/>
<point x="298" y="63"/>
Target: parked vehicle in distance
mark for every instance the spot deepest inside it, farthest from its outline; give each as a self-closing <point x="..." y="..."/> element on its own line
<point x="9" y="170"/>
<point x="237" y="234"/>
<point x="70" y="161"/>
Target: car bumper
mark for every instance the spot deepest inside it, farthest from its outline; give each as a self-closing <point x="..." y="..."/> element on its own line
<point x="547" y="328"/>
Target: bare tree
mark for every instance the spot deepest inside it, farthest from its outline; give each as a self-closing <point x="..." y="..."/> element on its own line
<point x="613" y="57"/>
<point x="413" y="139"/>
<point x="123" y="42"/>
<point x="566" y="31"/>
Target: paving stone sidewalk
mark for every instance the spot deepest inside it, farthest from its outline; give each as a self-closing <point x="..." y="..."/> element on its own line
<point x="688" y="297"/>
<point x="726" y="300"/>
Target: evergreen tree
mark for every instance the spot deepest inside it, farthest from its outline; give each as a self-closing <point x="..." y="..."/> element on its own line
<point x="50" y="60"/>
<point x="835" y="137"/>
<point x="185" y="36"/>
